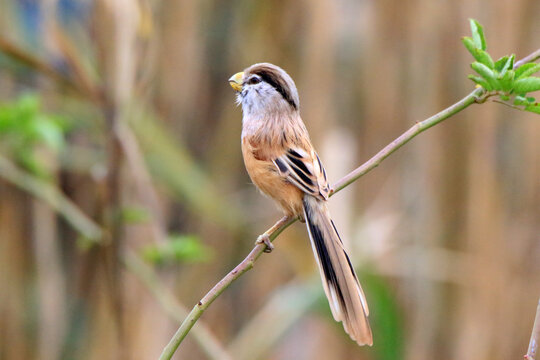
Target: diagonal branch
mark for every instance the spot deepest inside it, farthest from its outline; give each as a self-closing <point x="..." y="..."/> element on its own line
<point x="53" y="197"/>
<point x="405" y="138"/>
<point x="74" y="83"/>
<point x="532" y="57"/>
<point x="245" y="265"/>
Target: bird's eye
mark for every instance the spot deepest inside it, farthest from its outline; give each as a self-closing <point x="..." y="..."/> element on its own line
<point x="254" y="80"/>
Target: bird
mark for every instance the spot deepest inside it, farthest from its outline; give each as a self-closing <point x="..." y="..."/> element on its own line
<point x="283" y="165"/>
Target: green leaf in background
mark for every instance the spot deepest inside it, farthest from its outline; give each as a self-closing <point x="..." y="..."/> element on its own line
<point x="26" y="158"/>
<point x="478" y="34"/>
<point x="527" y="70"/>
<point x="487" y="74"/>
<point x="385" y="318"/>
<point x="25" y="131"/>
<point x="179" y="248"/>
<point x="526" y="85"/>
<point x="47" y="131"/>
<point x="135" y="215"/>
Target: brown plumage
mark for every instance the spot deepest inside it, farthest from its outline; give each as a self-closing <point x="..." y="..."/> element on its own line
<point x="282" y="163"/>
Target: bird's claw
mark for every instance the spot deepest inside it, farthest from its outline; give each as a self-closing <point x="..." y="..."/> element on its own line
<point x="265" y="239"/>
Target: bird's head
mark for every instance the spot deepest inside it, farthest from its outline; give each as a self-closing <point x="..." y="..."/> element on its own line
<point x="265" y="88"/>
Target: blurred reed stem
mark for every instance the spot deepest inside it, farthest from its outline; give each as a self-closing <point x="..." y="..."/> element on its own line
<point x="204" y="337"/>
<point x="53" y="197"/>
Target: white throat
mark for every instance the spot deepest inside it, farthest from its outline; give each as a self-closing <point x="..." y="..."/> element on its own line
<point x="263" y="106"/>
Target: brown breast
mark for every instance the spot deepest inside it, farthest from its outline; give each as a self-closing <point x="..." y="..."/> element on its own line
<point x="265" y="175"/>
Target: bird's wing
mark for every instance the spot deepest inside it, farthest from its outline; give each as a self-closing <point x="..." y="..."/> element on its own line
<point x="304" y="169"/>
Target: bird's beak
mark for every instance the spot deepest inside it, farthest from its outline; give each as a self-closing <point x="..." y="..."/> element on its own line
<point x="236" y="81"/>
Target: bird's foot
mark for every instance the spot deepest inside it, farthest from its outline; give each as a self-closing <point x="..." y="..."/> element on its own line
<point x="265" y="239"/>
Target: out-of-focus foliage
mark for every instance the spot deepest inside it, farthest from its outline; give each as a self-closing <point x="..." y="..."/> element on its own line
<point x="26" y="131"/>
<point x="389" y="324"/>
<point x="178" y="248"/>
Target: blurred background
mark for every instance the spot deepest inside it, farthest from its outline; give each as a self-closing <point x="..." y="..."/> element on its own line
<point x="124" y="199"/>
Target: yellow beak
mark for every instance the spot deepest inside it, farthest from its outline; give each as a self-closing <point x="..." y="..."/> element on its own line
<point x="236" y="81"/>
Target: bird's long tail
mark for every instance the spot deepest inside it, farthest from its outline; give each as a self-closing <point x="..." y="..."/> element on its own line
<point x="344" y="293"/>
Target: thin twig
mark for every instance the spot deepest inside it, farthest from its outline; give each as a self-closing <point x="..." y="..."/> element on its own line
<point x="529" y="58"/>
<point x="507" y="104"/>
<point x="24" y="57"/>
<point x="273" y="232"/>
<point x="142" y="179"/>
<point x="406" y="137"/>
<point x="535" y="336"/>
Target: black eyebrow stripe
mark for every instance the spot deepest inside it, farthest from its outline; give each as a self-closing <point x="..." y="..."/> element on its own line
<point x="273" y="80"/>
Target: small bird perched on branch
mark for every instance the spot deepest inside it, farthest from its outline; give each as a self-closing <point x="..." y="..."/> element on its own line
<point x="282" y="163"/>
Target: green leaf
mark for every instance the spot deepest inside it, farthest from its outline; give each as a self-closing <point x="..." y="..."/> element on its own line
<point x="508" y="64"/>
<point x="29" y="104"/>
<point x="478" y="54"/>
<point x="478" y="34"/>
<point x="469" y="44"/>
<point x="526" y="85"/>
<point x="48" y="132"/>
<point x="499" y="64"/>
<point x="27" y="159"/>
<point x="483" y="57"/>
<point x="179" y="248"/>
<point x="520" y="100"/>
<point x="487" y="74"/>
<point x="527" y="70"/>
<point x="480" y="81"/>
<point x="535" y="108"/>
<point x="25" y="128"/>
<point x="507" y="80"/>
<point x="135" y="215"/>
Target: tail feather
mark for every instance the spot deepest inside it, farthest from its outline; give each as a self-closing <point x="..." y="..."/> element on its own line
<point x="344" y="293"/>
